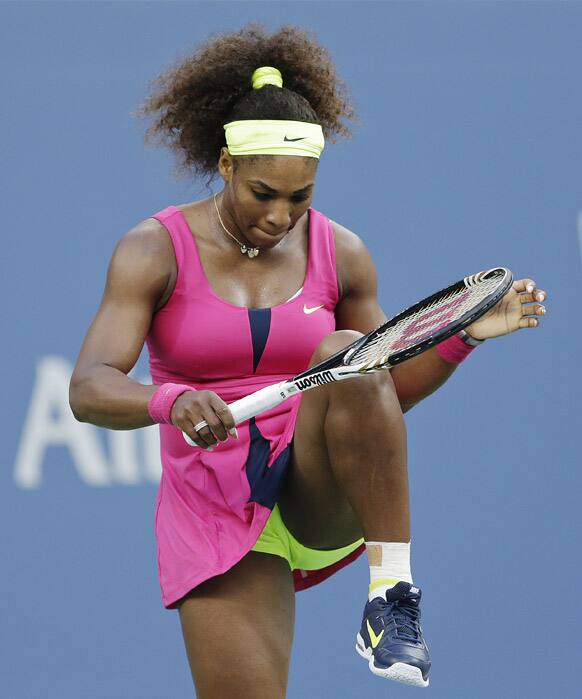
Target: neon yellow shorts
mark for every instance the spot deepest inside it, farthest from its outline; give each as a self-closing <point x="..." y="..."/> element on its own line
<point x="278" y="540"/>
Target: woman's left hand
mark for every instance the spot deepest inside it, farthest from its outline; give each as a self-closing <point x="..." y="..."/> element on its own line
<point x="517" y="309"/>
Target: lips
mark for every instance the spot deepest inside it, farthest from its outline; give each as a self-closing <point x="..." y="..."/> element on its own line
<point x="273" y="235"/>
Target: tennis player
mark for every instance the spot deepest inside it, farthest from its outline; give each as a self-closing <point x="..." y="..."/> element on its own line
<point x="235" y="292"/>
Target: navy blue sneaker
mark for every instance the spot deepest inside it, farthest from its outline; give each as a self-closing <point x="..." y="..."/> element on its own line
<point x="391" y="638"/>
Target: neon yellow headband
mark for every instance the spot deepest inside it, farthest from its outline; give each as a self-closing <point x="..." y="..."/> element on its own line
<point x="272" y="136"/>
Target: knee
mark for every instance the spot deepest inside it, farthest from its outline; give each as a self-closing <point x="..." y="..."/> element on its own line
<point x="333" y="343"/>
<point x="373" y="387"/>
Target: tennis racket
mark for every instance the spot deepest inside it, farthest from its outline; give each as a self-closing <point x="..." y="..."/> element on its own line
<point x="404" y="336"/>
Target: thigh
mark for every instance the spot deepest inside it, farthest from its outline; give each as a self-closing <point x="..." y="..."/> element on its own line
<point x="238" y="630"/>
<point x="313" y="505"/>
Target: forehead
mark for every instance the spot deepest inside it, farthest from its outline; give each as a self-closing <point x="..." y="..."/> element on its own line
<point x="279" y="171"/>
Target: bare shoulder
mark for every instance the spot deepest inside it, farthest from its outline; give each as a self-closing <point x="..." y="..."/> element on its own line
<point x="143" y="261"/>
<point x="355" y="267"/>
<point x="148" y="238"/>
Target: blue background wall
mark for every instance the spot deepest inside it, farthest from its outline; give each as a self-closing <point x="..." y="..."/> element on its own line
<point x="469" y="156"/>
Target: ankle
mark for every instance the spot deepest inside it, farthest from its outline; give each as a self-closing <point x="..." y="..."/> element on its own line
<point x="389" y="564"/>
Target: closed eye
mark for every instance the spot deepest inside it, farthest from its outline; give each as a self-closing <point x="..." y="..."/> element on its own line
<point x="261" y="196"/>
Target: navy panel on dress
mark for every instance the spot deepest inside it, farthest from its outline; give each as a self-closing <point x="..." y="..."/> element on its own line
<point x="260" y="322"/>
<point x="265" y="482"/>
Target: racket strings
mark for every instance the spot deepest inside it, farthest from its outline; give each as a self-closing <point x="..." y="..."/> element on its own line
<point x="415" y="327"/>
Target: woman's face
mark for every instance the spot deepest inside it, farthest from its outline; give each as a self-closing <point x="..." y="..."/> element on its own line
<point x="266" y="195"/>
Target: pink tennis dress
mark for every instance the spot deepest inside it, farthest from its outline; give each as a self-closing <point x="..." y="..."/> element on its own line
<point x="211" y="507"/>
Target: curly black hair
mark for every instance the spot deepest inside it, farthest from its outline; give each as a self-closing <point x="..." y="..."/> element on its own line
<point x="197" y="96"/>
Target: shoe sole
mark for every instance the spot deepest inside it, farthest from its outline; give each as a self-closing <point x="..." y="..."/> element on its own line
<point x="399" y="672"/>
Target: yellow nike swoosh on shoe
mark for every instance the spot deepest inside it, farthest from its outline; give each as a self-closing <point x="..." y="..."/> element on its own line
<point x="373" y="638"/>
<point x="311" y="310"/>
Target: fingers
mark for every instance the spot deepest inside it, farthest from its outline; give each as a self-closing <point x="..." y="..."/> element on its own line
<point x="528" y="322"/>
<point x="215" y="423"/>
<point x="536" y="295"/>
<point x="520" y="285"/>
<point x="201" y="439"/>
<point x="529" y="286"/>
<point x="534" y="309"/>
<point x="222" y="421"/>
<point x="530" y="314"/>
<point x="528" y="296"/>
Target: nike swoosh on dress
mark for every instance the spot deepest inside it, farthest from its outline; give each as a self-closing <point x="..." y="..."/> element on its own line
<point x="307" y="310"/>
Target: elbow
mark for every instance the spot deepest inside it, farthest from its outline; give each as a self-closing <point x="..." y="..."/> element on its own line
<point x="77" y="404"/>
<point x="406" y="401"/>
<point x="405" y="407"/>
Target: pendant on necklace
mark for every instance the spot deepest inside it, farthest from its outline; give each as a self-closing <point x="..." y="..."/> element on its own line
<point x="251" y="252"/>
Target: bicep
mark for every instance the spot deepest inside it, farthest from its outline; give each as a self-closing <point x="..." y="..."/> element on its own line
<point x="358" y="308"/>
<point x="362" y="313"/>
<point x="136" y="279"/>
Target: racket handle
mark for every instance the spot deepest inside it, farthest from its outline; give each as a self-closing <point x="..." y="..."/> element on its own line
<point x="255" y="403"/>
<point x="258" y="402"/>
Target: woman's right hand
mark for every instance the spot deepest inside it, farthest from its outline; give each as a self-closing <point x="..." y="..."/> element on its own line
<point x="191" y="407"/>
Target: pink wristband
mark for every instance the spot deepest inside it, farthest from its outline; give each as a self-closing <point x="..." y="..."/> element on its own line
<point x="160" y="404"/>
<point x="454" y="350"/>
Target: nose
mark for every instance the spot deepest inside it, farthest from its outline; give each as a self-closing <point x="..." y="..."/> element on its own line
<point x="279" y="217"/>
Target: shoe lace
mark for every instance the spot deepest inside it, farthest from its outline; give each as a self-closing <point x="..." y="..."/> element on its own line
<point x="406" y="617"/>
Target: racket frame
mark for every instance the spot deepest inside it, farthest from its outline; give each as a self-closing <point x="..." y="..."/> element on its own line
<point x="441" y="335"/>
<point x="337" y="366"/>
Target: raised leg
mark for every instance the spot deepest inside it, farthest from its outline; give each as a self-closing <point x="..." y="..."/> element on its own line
<point x="348" y="477"/>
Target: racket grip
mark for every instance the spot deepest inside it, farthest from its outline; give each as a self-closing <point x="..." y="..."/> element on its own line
<point x="258" y="402"/>
<point x="253" y="404"/>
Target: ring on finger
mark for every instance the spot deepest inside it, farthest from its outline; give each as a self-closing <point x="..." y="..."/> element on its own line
<point x="200" y="425"/>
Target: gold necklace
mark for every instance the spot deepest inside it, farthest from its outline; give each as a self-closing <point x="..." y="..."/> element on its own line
<point x="245" y="249"/>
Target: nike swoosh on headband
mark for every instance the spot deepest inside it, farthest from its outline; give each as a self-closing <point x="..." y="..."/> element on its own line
<point x="295" y="139"/>
<point x="307" y="310"/>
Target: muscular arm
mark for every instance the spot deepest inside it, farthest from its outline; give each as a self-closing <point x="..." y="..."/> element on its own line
<point x="358" y="309"/>
<point x="100" y="391"/>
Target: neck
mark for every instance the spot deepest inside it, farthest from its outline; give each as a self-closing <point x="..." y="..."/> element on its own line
<point x="245" y="248"/>
<point x="228" y="220"/>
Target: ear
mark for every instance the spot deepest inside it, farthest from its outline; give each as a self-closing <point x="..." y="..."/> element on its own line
<point x="225" y="164"/>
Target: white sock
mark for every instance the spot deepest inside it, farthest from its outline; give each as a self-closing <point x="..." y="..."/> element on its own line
<point x="389" y="564"/>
